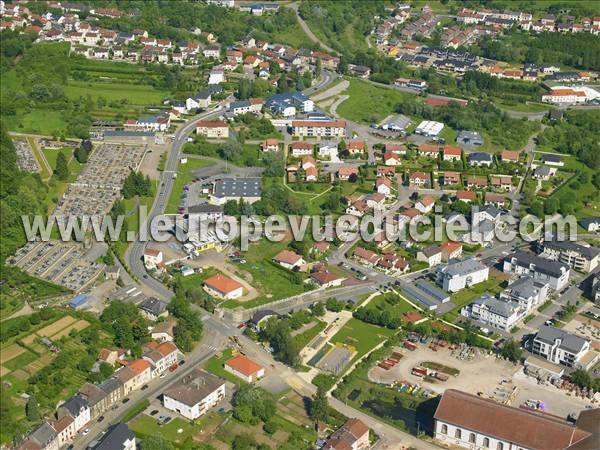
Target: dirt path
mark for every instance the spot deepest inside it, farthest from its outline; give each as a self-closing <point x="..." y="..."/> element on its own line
<point x="333" y="90"/>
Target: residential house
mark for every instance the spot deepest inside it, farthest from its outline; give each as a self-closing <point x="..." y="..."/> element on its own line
<point x="65" y="430"/>
<point x="391" y="159"/>
<point x="269" y="145"/>
<point x="308" y="162"/>
<point x="457" y="275"/>
<point x="583" y="258"/>
<point x="428" y="150"/>
<point x="152" y="308"/>
<point x="475" y="182"/>
<point x="503" y="182"/>
<point x="555" y="273"/>
<point x="510" y="156"/>
<point x="395" y="147"/>
<point x="451" y="153"/>
<point x="449" y="178"/>
<point x="497" y="200"/>
<point x="134" y="375"/>
<point x="451" y="250"/>
<point x="432" y="255"/>
<point x="326" y="279"/>
<point x="480" y="159"/>
<point x="161" y="356"/>
<point x="223" y="287"/>
<point x="383" y="185"/>
<point x="194" y="394"/>
<point x="345" y="173"/>
<point x="466" y="196"/>
<point x="152" y="258"/>
<point x="386" y="171"/>
<point x="117" y="437"/>
<point x="77" y="408"/>
<point x="353" y="435"/>
<point x="328" y="149"/>
<point x="163" y="331"/>
<point x="356" y="146"/>
<point x="43" y="437"/>
<point x="359" y="208"/>
<point x="590" y="224"/>
<point x="419" y="179"/>
<point x="217" y="129"/>
<point x="425" y="204"/>
<point x="559" y="346"/>
<point x="290" y="260"/>
<point x="366" y="257"/>
<point x="244" y="368"/>
<point x="552" y="160"/>
<point x="301" y="148"/>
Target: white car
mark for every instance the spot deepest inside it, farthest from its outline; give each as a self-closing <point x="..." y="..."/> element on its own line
<point x="86" y="431"/>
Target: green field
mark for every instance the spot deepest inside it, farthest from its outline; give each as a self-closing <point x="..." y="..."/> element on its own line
<point x="362" y="336"/>
<point x="37" y="121"/>
<point x="303" y="339"/>
<point x="135" y="94"/>
<point x="176" y="431"/>
<point x="369" y="103"/>
<point x="467" y="295"/>
<point x="184" y="176"/>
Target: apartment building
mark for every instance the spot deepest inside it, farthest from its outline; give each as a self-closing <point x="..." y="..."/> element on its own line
<point x="194" y="394"/>
<point x="555" y="273"/>
<point x="458" y="275"/>
<point x="579" y="257"/>
<point x="559" y="347"/>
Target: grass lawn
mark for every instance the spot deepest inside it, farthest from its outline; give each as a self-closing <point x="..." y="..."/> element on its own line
<point x="134" y="93"/>
<point x="215" y="366"/>
<point x="362" y="336"/>
<point x="271" y="281"/>
<point x="197" y="279"/>
<point x="369" y="103"/>
<point x="467" y="295"/>
<point x="301" y="340"/>
<point x="145" y="426"/>
<point x="38" y="121"/>
<point x="524" y="107"/>
<point x="390" y="302"/>
<point x="184" y="176"/>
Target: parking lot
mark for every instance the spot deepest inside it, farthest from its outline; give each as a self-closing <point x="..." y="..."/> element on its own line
<point x="63" y="263"/>
<point x="25" y="157"/>
<point x="482" y="374"/>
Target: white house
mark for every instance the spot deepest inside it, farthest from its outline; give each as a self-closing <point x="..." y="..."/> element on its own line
<point x="383" y="186"/>
<point x="555" y="273"/>
<point x="461" y="274"/>
<point x="78" y="408"/>
<point x="301" y="148"/>
<point x="244" y="368"/>
<point x="161" y="356"/>
<point x="223" y="287"/>
<point x="217" y="129"/>
<point x="152" y="258"/>
<point x="425" y="205"/>
<point x="432" y="255"/>
<point x="558" y="346"/>
<point x="289" y="260"/>
<point x="527" y="292"/>
<point x="493" y="312"/>
<point x="328" y="149"/>
<point x="194" y="394"/>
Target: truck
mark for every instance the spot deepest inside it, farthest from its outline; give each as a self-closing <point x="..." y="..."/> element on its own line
<point x="419" y="371"/>
<point x="410" y="345"/>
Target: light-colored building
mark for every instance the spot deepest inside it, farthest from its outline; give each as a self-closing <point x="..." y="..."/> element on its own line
<point x="217" y="129"/>
<point x="353" y="435"/>
<point x="527" y="292"/>
<point x="134" y="375"/>
<point x="319" y="128"/>
<point x="493" y="312"/>
<point x="152" y="258"/>
<point x="432" y="255"/>
<point x="559" y="347"/>
<point x="429" y="128"/>
<point x="469" y="421"/>
<point x="223" y="287"/>
<point x="194" y="394"/>
<point x="248" y="189"/>
<point x="77" y="408"/>
<point x="244" y="368"/>
<point x="583" y="258"/>
<point x="555" y="273"/>
<point x="461" y="274"/>
<point x="290" y="260"/>
<point x="161" y="356"/>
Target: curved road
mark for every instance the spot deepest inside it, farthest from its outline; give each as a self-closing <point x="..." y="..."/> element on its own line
<point x="308" y="31"/>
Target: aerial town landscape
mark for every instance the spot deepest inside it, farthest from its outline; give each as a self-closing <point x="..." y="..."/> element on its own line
<point x="417" y="189"/>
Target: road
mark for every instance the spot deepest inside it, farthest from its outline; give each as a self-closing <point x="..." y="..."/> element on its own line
<point x="308" y="31"/>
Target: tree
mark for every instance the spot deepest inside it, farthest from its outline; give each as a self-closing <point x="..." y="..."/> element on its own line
<point x="318" y="409"/>
<point x="318" y="68"/>
<point x="334" y="305"/>
<point x="537" y="209"/>
<point x="511" y="351"/>
<point x="318" y="309"/>
<point x="230" y="150"/>
<point x="31" y="409"/>
<point x="106" y="369"/>
<point x="550" y="206"/>
<point x="62" y="169"/>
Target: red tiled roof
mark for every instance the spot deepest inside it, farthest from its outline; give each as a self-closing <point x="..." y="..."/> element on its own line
<point x="243" y="365"/>
<point x="466" y="195"/>
<point x="222" y="284"/>
<point x="287" y="256"/>
<point x="211" y="124"/>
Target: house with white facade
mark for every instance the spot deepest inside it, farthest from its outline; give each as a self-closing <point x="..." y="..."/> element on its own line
<point x="194" y="394"/>
<point x="559" y="346"/>
<point x="583" y="258"/>
<point x="458" y="275"/>
<point x="473" y="422"/>
<point x="555" y="273"/>
<point x="161" y="356"/>
<point x="78" y="408"/>
<point x="493" y="312"/>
